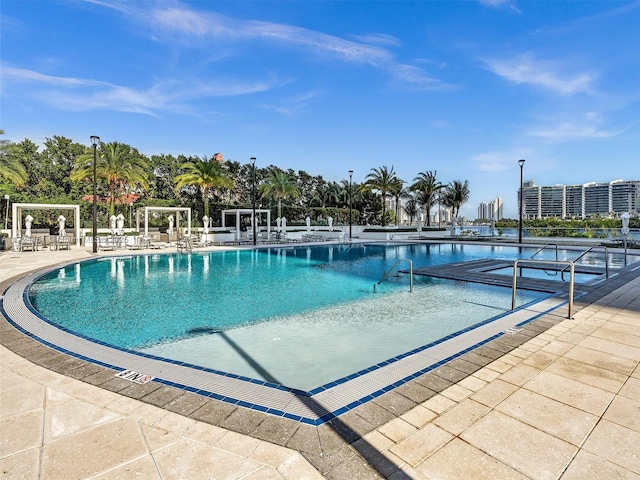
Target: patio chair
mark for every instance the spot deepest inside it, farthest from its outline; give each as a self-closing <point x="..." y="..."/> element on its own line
<point x="28" y="243"/>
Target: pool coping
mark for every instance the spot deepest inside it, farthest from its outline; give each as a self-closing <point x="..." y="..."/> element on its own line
<point x="314" y="408"/>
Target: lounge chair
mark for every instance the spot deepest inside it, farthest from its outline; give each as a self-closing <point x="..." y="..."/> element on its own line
<point x="106" y="243"/>
<point x="28" y="243"/>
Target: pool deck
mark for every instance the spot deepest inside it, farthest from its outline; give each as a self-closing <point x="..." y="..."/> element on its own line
<point x="558" y="399"/>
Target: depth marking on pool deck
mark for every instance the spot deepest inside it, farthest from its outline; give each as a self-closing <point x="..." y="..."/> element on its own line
<point x="294" y="404"/>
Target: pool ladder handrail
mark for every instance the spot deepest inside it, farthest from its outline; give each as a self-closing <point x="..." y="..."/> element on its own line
<point x="606" y="259"/>
<point x="388" y="272"/>
<point x="569" y="264"/>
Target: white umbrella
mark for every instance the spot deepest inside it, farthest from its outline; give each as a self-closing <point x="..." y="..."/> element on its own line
<point x="205" y="222"/>
<point x="61" y="230"/>
<point x="308" y="220"/>
<point x="120" y="220"/>
<point x="419" y="228"/>
<point x="27" y="224"/>
<point x="278" y="221"/>
<point x="625" y="223"/>
<point x="113" y="219"/>
<point x="330" y="222"/>
<point x="170" y="229"/>
<point x="284" y="225"/>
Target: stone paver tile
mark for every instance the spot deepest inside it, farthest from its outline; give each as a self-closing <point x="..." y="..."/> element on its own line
<point x="567" y="423"/>
<point x="528" y="450"/>
<point x="397" y="429"/>
<point x="92" y="394"/>
<point x="204" y="432"/>
<point x="445" y="464"/>
<point x="499" y="366"/>
<point x="540" y="360"/>
<point x="585" y="397"/>
<point x="21" y="432"/>
<point x="202" y="462"/>
<point x="585" y="373"/>
<point x="461" y="417"/>
<point x="486" y="374"/>
<point x="418" y="416"/>
<point x="572" y="337"/>
<point x="439" y="403"/>
<point x="616" y="444"/>
<point x="175" y="423"/>
<point x="557" y="347"/>
<point x="297" y="467"/>
<point x="272" y="455"/>
<point x="587" y="466"/>
<point x="613" y="348"/>
<point x="104" y="447"/>
<point x="630" y="338"/>
<point x="24" y="465"/>
<point x="494" y="393"/>
<point x="237" y="443"/>
<point x="603" y="360"/>
<point x="373" y="443"/>
<point x="631" y="389"/>
<point x="143" y="468"/>
<point x="72" y="416"/>
<point x="146" y="413"/>
<point x="123" y="405"/>
<point x="624" y="411"/>
<point x="421" y="444"/>
<point x="519" y="374"/>
<point x="157" y="438"/>
<point x="472" y="383"/>
<point x="21" y="397"/>
<point x="456" y="392"/>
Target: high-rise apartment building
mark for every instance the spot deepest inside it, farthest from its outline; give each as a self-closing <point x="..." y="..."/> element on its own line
<point x="581" y="201"/>
<point x="492" y="210"/>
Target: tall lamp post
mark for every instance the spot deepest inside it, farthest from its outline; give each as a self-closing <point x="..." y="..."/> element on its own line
<point x="253" y="218"/>
<point x="94" y="141"/>
<point x="521" y="163"/>
<point x="350" y="202"/>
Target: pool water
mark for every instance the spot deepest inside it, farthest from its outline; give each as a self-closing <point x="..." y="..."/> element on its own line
<point x="300" y="316"/>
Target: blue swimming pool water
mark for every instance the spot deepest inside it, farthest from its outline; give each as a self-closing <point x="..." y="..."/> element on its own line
<point x="205" y="308"/>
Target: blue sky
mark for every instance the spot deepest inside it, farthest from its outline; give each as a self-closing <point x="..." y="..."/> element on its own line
<point x="461" y="88"/>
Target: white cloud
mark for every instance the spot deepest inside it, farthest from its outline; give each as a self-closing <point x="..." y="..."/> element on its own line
<point x="493" y="162"/>
<point x="77" y="94"/>
<point x="526" y="70"/>
<point x="187" y="24"/>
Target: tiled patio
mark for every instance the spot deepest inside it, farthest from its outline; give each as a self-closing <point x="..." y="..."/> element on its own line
<point x="561" y="399"/>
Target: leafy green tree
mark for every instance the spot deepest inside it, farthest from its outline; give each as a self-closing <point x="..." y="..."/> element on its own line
<point x="455" y="194"/>
<point x="119" y="165"/>
<point x="382" y="180"/>
<point x="427" y="184"/>
<point x="205" y="173"/>
<point x="280" y="185"/>
<point x="326" y="195"/>
<point x="11" y="168"/>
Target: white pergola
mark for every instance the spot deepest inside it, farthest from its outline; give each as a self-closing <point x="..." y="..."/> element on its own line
<point x="246" y="211"/>
<point x="18" y="208"/>
<point x="176" y="210"/>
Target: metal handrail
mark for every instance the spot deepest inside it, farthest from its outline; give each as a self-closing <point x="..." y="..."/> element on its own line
<point x="388" y="272"/>
<point x="547" y="245"/>
<point x="606" y="259"/>
<point x="571" y="266"/>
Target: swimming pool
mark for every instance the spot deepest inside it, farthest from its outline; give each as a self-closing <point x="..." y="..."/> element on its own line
<point x="298" y="316"/>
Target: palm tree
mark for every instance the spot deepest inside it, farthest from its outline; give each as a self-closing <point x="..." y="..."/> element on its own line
<point x="325" y="195"/>
<point x="280" y="186"/>
<point x="411" y="208"/>
<point x="428" y="186"/>
<point x="121" y="166"/>
<point x="383" y="181"/>
<point x="456" y="193"/>
<point x="205" y="173"/>
<point x="11" y="169"/>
